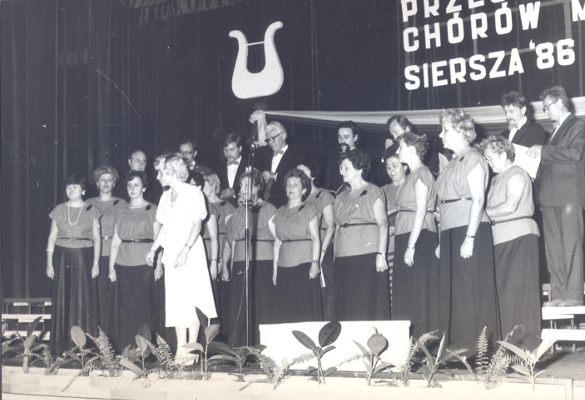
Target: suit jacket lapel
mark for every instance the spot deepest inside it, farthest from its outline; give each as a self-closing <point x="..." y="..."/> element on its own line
<point x="561" y="130"/>
<point x="521" y="132"/>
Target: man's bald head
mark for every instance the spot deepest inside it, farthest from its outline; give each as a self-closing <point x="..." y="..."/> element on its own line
<point x="137" y="161"/>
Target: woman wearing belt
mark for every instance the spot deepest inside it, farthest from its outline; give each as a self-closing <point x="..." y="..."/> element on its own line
<point x="132" y="301"/>
<point x="361" y="273"/>
<point x="187" y="285"/>
<point x="297" y="249"/>
<point x="323" y="200"/>
<point x="261" y="292"/>
<point x="510" y="207"/>
<point x="397" y="172"/>
<point x="106" y="177"/>
<point x="223" y="210"/>
<point x="467" y="283"/>
<point x="415" y="294"/>
<point x="73" y="253"/>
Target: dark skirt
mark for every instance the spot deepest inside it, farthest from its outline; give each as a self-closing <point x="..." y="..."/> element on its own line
<point x="132" y="303"/>
<point x="224" y="295"/>
<point x="415" y="291"/>
<point x="104" y="287"/>
<point x="328" y="292"/>
<point x="75" y="296"/>
<point x="518" y="289"/>
<point x="260" y="299"/>
<point x="361" y="293"/>
<point x="297" y="297"/>
<point x="468" y="288"/>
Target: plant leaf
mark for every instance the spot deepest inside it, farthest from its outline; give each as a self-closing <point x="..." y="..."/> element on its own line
<point x="538" y="373"/>
<point x="377" y="343"/>
<point x="141" y="343"/>
<point x="223" y="348"/>
<point x="362" y="348"/>
<point x="72" y="354"/>
<point x="29" y="341"/>
<point x="441" y="348"/>
<point x="515" y="349"/>
<point x="329" y="333"/>
<point x="32" y="326"/>
<point x="223" y="357"/>
<point x="543" y="348"/>
<point x="37" y="347"/>
<point x="126" y="363"/>
<point x="381" y="367"/>
<point x="202" y="318"/>
<point x="326" y="350"/>
<point x="521" y="369"/>
<point x="78" y="336"/>
<point x="329" y="371"/>
<point x="305" y="340"/>
<point x="211" y="332"/>
<point x="193" y="347"/>
<point x="311" y="369"/>
<point x="430" y="358"/>
<point x="145" y="332"/>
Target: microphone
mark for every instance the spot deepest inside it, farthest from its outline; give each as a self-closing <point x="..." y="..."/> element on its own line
<point x="255" y="146"/>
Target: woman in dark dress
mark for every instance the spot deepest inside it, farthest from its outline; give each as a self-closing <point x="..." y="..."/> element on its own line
<point x="323" y="200"/>
<point x="467" y="283"/>
<point x="397" y="172"/>
<point x="362" y="291"/>
<point x="415" y="294"/>
<point x="297" y="247"/>
<point x="133" y="301"/>
<point x="106" y="178"/>
<point x="223" y="210"/>
<point x="510" y="207"/>
<point x="73" y="253"/>
<point x="261" y="292"/>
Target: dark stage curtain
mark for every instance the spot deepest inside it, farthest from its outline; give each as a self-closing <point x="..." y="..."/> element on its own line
<point x="86" y="82"/>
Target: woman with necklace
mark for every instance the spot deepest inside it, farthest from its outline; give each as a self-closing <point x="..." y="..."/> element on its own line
<point x="397" y="172"/>
<point x="261" y="289"/>
<point x="105" y="178"/>
<point x="323" y="200"/>
<point x="510" y="206"/>
<point x="187" y="284"/>
<point x="297" y="249"/>
<point x="73" y="253"/>
<point x="467" y="283"/>
<point x="415" y="295"/>
<point x="133" y="300"/>
<point x="362" y="291"/>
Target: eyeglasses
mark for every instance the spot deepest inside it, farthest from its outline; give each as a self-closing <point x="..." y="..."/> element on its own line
<point x="106" y="180"/>
<point x="187" y="152"/>
<point x="545" y="108"/>
<point x="273" y="138"/>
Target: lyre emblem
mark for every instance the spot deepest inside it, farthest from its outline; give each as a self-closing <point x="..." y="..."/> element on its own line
<point x="247" y="85"/>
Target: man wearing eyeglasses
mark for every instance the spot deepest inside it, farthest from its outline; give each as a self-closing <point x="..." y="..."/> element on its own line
<point x="561" y="180"/>
<point x="520" y="130"/>
<point x="275" y="167"/>
<point x="138" y="162"/>
<point x="188" y="151"/>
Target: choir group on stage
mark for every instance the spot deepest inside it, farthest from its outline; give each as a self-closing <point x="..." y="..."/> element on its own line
<point x="438" y="244"/>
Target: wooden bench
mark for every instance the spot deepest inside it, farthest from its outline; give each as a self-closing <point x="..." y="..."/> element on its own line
<point x="18" y="313"/>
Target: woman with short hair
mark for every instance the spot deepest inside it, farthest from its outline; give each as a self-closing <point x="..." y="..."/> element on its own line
<point x="362" y="292"/>
<point x="510" y="206"/>
<point x="415" y="294"/>
<point x="187" y="284"/>
<point x="297" y="248"/>
<point x="467" y="283"/>
<point x="106" y="177"/>
<point x="261" y="288"/>
<point x="132" y="300"/>
<point x="73" y="253"/>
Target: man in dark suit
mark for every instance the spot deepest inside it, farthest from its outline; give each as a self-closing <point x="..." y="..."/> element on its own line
<point x="188" y="151"/>
<point x="561" y="193"/>
<point x="229" y="174"/>
<point x="520" y="130"/>
<point x="138" y="162"/>
<point x="284" y="158"/>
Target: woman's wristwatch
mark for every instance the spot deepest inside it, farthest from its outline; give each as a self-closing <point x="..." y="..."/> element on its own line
<point x="382" y="253"/>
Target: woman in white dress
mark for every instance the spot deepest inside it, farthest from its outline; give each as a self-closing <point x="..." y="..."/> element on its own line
<point x="187" y="283"/>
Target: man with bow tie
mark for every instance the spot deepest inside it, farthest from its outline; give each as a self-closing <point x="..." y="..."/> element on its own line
<point x="561" y="179"/>
<point x="520" y="130"/>
<point x="229" y="175"/>
<point x="275" y="167"/>
<point x="188" y="151"/>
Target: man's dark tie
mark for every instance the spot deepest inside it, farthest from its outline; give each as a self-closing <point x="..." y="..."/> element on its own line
<point x="277" y="153"/>
<point x="236" y="162"/>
